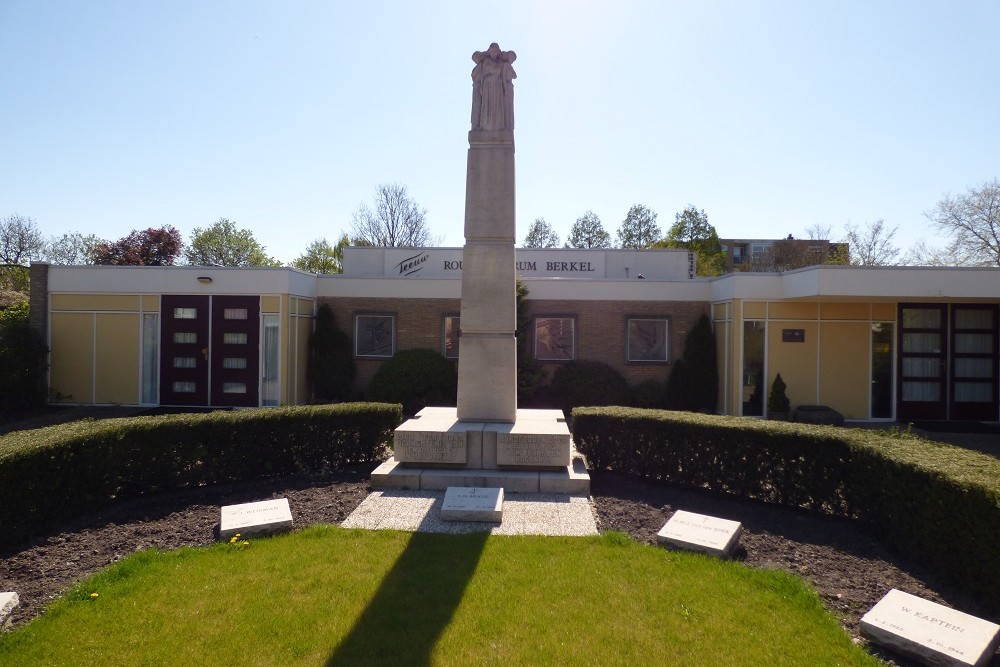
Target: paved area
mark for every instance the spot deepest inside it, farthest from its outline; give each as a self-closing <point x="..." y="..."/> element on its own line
<point x="523" y="514"/>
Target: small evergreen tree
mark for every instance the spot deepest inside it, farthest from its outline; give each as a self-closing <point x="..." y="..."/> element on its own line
<point x="331" y="364"/>
<point x="530" y="374"/>
<point x="694" y="381"/>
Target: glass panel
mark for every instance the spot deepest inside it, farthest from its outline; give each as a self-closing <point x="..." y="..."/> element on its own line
<point x="753" y="369"/>
<point x="185" y="338"/>
<point x="234" y="363"/>
<point x="234" y="314"/>
<point x="973" y="392"/>
<point x="881" y="370"/>
<point x="966" y="343"/>
<point x="185" y="313"/>
<point x="921" y="367"/>
<point x="185" y="362"/>
<point x="922" y="342"/>
<point x="234" y="338"/>
<point x="922" y="391"/>
<point x="374" y="335"/>
<point x="921" y="318"/>
<point x="647" y="340"/>
<point x="974" y="368"/>
<point x="234" y="387"/>
<point x="150" y="357"/>
<point x="269" y="384"/>
<point x="184" y="387"/>
<point x="451" y="336"/>
<point x="555" y="339"/>
<point x="977" y="318"/>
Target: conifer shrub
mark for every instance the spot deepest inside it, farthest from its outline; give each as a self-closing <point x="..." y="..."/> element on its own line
<point x="581" y="382"/>
<point x="415" y="378"/>
<point x="331" y="361"/>
<point x="22" y="361"/>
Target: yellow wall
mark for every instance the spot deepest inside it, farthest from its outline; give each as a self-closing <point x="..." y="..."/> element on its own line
<point x="792" y="310"/>
<point x="843" y="367"/>
<point x="72" y="358"/>
<point x="95" y="302"/>
<point x="795" y="361"/>
<point x="118" y="337"/>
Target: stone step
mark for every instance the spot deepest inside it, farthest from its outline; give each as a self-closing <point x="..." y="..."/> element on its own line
<point x="574" y="479"/>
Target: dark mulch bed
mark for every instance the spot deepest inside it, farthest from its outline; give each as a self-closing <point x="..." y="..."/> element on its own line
<point x="849" y="568"/>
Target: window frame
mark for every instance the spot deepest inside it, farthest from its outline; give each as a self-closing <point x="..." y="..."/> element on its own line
<point x="665" y="319"/>
<point x="444" y="335"/>
<point x="573" y="337"/>
<point x="357" y="338"/>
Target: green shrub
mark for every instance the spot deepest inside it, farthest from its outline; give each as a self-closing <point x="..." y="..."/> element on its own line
<point x="579" y="383"/>
<point x="694" y="380"/>
<point x="52" y="474"/>
<point x="415" y="378"/>
<point x="22" y="360"/>
<point x="331" y="361"/>
<point x="777" y="399"/>
<point x="938" y="503"/>
<point x="649" y="394"/>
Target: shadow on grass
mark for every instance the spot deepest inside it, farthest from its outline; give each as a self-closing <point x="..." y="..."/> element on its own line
<point x="415" y="602"/>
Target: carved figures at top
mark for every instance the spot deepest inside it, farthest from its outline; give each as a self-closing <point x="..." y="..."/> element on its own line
<point x="493" y="89"/>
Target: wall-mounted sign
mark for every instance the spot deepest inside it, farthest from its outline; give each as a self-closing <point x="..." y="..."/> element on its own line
<point x="793" y="335"/>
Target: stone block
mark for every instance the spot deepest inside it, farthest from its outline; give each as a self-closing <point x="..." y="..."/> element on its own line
<point x="392" y="475"/>
<point x="487" y="378"/>
<point x="533" y="443"/>
<point x="463" y="503"/>
<point x="930" y="632"/>
<point x="431" y="440"/>
<point x="574" y="480"/>
<point x="264" y="517"/>
<point x="513" y="481"/>
<point x="8" y="602"/>
<point x="699" y="532"/>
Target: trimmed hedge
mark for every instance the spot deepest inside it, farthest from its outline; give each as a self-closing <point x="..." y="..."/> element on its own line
<point x="416" y="378"/>
<point x="56" y="473"/>
<point x="938" y="503"/>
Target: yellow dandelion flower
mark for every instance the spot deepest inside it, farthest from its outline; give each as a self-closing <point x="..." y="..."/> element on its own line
<point x="93" y="596"/>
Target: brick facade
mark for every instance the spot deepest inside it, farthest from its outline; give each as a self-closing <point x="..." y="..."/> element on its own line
<point x="600" y="328"/>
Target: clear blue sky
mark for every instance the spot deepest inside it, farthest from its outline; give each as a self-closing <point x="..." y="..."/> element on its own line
<point x="770" y="116"/>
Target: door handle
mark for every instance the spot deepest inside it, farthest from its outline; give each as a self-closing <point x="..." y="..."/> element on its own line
<point x="204" y="353"/>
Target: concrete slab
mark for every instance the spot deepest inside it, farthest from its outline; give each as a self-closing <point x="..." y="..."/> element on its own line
<point x="464" y="503"/>
<point x="8" y="602"/>
<point x="574" y="480"/>
<point x="700" y="532"/>
<point x="264" y="517"/>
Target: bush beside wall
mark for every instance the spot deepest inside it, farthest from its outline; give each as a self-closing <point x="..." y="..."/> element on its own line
<point x="938" y="503"/>
<point x="53" y="474"/>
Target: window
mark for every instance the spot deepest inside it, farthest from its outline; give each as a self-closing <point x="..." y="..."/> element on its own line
<point x="647" y="340"/>
<point x="184" y="387"/>
<point x="234" y="314"/>
<point x="185" y="362"/>
<point x="555" y="338"/>
<point x="185" y="338"/>
<point x="234" y="387"/>
<point x="452" y="332"/>
<point x="270" y="388"/>
<point x="234" y="363"/>
<point x="234" y="338"/>
<point x="150" y="357"/>
<point x="185" y="313"/>
<point x="374" y="335"/>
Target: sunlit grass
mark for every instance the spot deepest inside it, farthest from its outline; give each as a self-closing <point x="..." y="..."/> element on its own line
<point x="327" y="595"/>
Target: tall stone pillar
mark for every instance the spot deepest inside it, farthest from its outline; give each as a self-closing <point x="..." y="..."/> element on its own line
<point x="487" y="363"/>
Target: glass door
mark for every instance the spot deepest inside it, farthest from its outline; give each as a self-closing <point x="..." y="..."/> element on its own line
<point x="974" y="362"/>
<point x="922" y="368"/>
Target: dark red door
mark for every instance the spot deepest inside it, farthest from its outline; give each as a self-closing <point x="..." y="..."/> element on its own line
<point x="235" y="351"/>
<point x="184" y="350"/>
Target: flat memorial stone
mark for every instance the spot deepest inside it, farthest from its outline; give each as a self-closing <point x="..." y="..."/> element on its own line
<point x="930" y="632"/>
<point x="264" y="517"/>
<point x="465" y="503"/>
<point x="8" y="601"/>
<point x="699" y="532"/>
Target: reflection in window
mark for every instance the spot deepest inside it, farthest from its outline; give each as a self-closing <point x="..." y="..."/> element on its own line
<point x="753" y="369"/>
<point x="555" y="338"/>
<point x="270" y="390"/>
<point x="185" y="338"/>
<point x="451" y="335"/>
<point x="373" y="335"/>
<point x="234" y="338"/>
<point x="184" y="387"/>
<point x="185" y="313"/>
<point x="234" y="363"/>
<point x="234" y="314"/>
<point x="150" y="357"/>
<point x="234" y="387"/>
<point x="185" y="362"/>
<point x="881" y="396"/>
<point x="647" y="340"/>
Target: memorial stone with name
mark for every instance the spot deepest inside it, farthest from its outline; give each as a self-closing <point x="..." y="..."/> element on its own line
<point x="930" y="632"/>
<point x="264" y="517"/>
<point x="8" y="602"/>
<point x="463" y="503"/>
<point x="699" y="532"/>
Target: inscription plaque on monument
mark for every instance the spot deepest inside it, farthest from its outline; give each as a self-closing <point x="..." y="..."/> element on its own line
<point x="930" y="632"/>
<point x="535" y="449"/>
<point x="264" y="517"/>
<point x="422" y="446"/>
<point x="699" y="532"/>
<point x="464" y="503"/>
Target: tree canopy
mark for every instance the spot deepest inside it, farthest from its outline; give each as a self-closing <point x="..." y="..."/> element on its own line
<point x="222" y="244"/>
<point x="871" y="245"/>
<point x="20" y="240"/>
<point x="972" y="223"/>
<point x="692" y="231"/>
<point x="73" y="248"/>
<point x="588" y="232"/>
<point x="321" y="257"/>
<point x="393" y="221"/>
<point x="639" y="228"/>
<point x="541" y="235"/>
<point x="148" y="247"/>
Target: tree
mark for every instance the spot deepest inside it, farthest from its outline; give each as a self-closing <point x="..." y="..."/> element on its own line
<point x="20" y="240"/>
<point x="819" y="232"/>
<point x="321" y="257"/>
<point x="541" y="235"/>
<point x="223" y="244"/>
<point x="73" y="249"/>
<point x="149" y="247"/>
<point x="22" y="357"/>
<point x="331" y="362"/>
<point x="395" y="221"/>
<point x="972" y="222"/>
<point x="692" y="231"/>
<point x="872" y="244"/>
<point x="588" y="232"/>
<point x="694" y="380"/>
<point x="639" y="228"/>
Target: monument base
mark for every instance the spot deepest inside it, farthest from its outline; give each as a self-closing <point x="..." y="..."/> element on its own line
<point x="435" y="450"/>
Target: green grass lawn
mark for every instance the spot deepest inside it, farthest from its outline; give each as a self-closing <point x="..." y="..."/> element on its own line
<point x="329" y="596"/>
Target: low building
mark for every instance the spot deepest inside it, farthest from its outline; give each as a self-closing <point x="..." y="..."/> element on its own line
<point x="872" y="343"/>
<point x="781" y="254"/>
